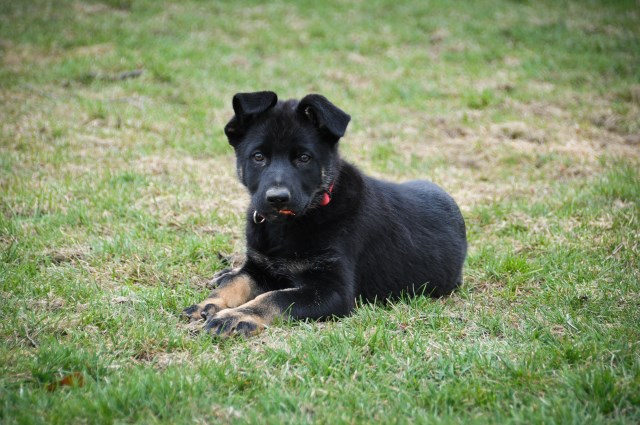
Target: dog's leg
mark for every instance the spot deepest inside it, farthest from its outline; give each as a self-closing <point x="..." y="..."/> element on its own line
<point x="297" y="303"/>
<point x="233" y="288"/>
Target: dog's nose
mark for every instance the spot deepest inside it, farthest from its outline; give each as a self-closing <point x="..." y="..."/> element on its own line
<point x="278" y="196"/>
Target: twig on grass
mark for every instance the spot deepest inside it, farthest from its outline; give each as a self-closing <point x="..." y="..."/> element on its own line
<point x="26" y="332"/>
<point x="615" y="251"/>
<point x="126" y="75"/>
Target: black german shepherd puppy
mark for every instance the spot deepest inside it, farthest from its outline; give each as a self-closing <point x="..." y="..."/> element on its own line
<point x="320" y="234"/>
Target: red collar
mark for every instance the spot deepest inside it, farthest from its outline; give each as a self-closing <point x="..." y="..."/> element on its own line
<point x="326" y="197"/>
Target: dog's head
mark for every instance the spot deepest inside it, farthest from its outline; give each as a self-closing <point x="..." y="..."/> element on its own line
<point x="286" y="152"/>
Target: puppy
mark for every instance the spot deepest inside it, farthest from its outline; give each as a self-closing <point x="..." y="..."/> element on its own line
<point x="320" y="234"/>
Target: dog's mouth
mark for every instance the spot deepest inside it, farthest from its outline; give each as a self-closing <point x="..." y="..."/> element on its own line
<point x="273" y="216"/>
<point x="281" y="213"/>
<point x="285" y="212"/>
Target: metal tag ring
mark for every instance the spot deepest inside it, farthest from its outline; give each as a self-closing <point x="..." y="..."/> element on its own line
<point x="257" y="218"/>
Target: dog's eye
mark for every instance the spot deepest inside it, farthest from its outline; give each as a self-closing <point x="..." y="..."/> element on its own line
<point x="258" y="157"/>
<point x="304" y="158"/>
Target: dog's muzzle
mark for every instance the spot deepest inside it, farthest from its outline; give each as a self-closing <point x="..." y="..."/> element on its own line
<point x="278" y="197"/>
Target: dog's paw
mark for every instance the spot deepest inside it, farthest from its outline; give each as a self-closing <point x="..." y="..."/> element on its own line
<point x="229" y="323"/>
<point x="200" y="311"/>
<point x="222" y="276"/>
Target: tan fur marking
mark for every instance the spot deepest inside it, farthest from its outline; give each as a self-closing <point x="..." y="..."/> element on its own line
<point x="268" y="310"/>
<point x="237" y="317"/>
<point x="234" y="293"/>
<point x="267" y="313"/>
<point x="248" y="319"/>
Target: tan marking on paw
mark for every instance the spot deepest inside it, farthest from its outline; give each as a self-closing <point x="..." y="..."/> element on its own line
<point x="234" y="322"/>
<point x="232" y="293"/>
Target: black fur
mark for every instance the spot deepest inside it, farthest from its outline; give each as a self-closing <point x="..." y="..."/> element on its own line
<point x="374" y="239"/>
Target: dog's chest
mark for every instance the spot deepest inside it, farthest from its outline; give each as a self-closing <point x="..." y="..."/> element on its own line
<point x="292" y="266"/>
<point x="291" y="251"/>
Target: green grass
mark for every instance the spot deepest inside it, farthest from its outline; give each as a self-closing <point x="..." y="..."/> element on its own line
<point x="118" y="201"/>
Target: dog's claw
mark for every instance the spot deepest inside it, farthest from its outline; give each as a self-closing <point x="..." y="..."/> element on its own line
<point x="218" y="276"/>
<point x="191" y="312"/>
<point x="232" y="324"/>
<point x="197" y="312"/>
<point x="246" y="328"/>
<point x="209" y="311"/>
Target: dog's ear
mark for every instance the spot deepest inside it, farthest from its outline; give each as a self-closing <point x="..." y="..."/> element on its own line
<point x="246" y="106"/>
<point x="324" y="114"/>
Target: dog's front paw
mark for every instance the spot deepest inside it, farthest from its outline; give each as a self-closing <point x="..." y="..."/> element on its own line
<point x="220" y="276"/>
<point x="237" y="322"/>
<point x="200" y="311"/>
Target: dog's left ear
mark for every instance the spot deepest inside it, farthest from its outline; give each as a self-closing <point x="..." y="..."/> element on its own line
<point x="246" y="107"/>
<point x="324" y="114"/>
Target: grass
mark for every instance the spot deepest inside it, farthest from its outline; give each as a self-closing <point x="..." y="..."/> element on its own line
<point x="118" y="200"/>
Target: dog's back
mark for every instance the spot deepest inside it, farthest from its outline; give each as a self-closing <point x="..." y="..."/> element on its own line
<point x="412" y="239"/>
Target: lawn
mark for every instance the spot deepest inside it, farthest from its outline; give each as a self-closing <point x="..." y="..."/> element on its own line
<point x="119" y="201"/>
